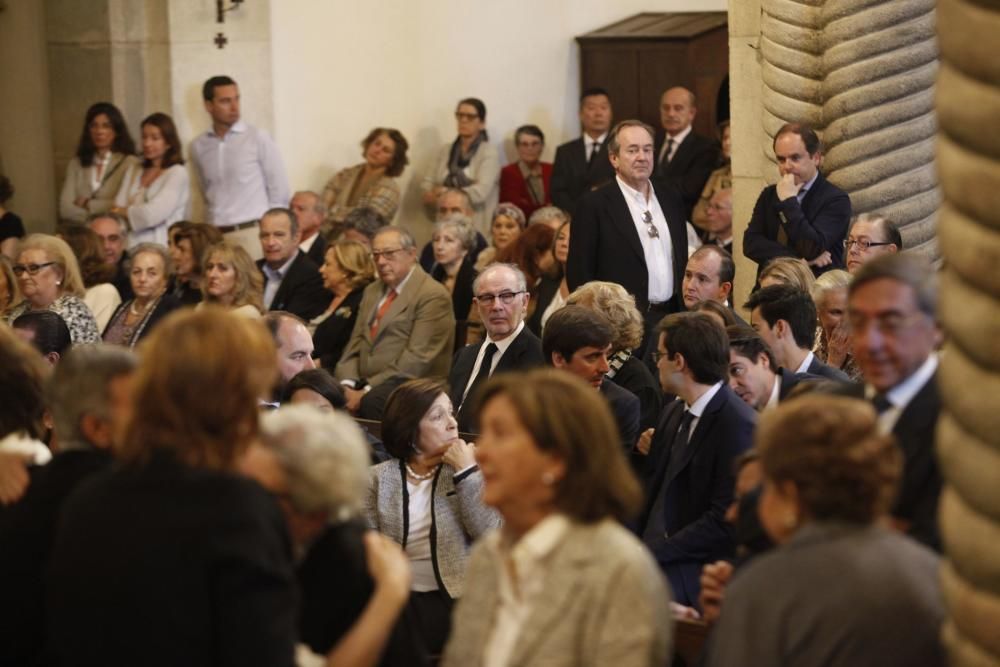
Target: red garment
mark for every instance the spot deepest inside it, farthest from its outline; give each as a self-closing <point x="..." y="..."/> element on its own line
<point x="514" y="189"/>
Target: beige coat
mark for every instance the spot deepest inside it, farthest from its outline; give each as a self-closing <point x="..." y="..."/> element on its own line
<point x="77" y="184"/>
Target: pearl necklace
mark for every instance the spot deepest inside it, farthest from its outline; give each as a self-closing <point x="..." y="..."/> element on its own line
<point x="140" y="312"/>
<point x="421" y="478"/>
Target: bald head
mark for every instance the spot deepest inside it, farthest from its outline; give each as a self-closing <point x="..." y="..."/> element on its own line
<point x="677" y="110"/>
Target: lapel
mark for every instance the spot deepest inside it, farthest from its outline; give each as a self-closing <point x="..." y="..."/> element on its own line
<point x="513" y="353"/>
<point x="281" y="295"/>
<point x="705" y="424"/>
<point x="402" y="301"/>
<point x="666" y="429"/>
<point x="678" y="239"/>
<point x="113" y="165"/>
<point x="622" y="219"/>
<point x="811" y="194"/>
<point x="919" y="414"/>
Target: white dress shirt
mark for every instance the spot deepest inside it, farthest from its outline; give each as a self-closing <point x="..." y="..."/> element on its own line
<point x="901" y="395"/>
<point x="418" y="539"/>
<point x="98" y="170"/>
<point x="242" y="174"/>
<point x="804" y="366"/>
<point x="775" y="394"/>
<point x="657" y="252"/>
<point x="698" y="407"/>
<point x="502" y="346"/>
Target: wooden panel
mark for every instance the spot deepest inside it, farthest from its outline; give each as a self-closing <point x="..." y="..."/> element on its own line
<point x="612" y="67"/>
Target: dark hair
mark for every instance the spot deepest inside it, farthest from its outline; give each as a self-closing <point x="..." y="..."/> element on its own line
<point x="785" y="302"/>
<point x="293" y="222"/>
<point x="701" y="340"/>
<point x="123" y="143"/>
<point x="407" y="405"/>
<point x="86" y="246"/>
<point x="532" y="243"/>
<point x="22" y="377"/>
<point x="747" y="343"/>
<point x="574" y="327"/>
<point x="200" y="235"/>
<point x="208" y="90"/>
<point x="573" y="423"/>
<point x="805" y="132"/>
<point x="50" y="331"/>
<point x="593" y="91"/>
<point x="6" y="189"/>
<point x="480" y="110"/>
<point x="532" y="130"/>
<point x="727" y="267"/>
<point x="320" y="381"/>
<point x="165" y="124"/>
<point x="399" y="159"/>
<point x="613" y="144"/>
<point x="890" y="232"/>
<point x="716" y="308"/>
<point x="365" y="221"/>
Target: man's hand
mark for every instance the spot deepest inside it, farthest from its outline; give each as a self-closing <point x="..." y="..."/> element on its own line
<point x="787" y="187"/>
<point x="13" y="477"/>
<point x="822" y="259"/>
<point x="714" y="578"/>
<point x="645" y="441"/>
<point x="354" y="397"/>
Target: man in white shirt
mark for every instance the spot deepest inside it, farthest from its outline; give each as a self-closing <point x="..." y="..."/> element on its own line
<point x="239" y="167"/>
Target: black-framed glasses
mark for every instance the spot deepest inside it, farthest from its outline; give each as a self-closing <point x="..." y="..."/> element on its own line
<point x="32" y="269"/>
<point x="863" y="244"/>
<point x="506" y="298"/>
<point x="388" y="254"/>
<point x="647" y="219"/>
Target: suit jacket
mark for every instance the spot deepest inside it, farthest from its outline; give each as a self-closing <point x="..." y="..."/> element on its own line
<point x="301" y="292"/>
<point x="791" y="380"/>
<point x="636" y="377"/>
<point x="524" y="352"/>
<point x="514" y="189"/>
<point x="603" y="602"/>
<point x="700" y="490"/>
<point x="817" y="367"/>
<point x="688" y="172"/>
<point x="317" y="253"/>
<point x="416" y="337"/>
<point x="77" y="184"/>
<point x="573" y="176"/>
<point x="625" y="407"/>
<point x="332" y="334"/>
<point x="605" y="244"/>
<point x="816" y="225"/>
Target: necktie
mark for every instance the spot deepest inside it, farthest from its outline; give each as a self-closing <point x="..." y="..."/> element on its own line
<point x="464" y="422"/>
<point x="656" y="529"/>
<point x="680" y="444"/>
<point x="389" y="298"/>
<point x="595" y="148"/>
<point x="667" y="149"/>
<point x="881" y="403"/>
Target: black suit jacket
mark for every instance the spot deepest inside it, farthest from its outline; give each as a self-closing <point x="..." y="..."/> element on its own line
<point x="791" y="380"/>
<point x="524" y="352"/>
<point x="301" y="292"/>
<point x="688" y="172"/>
<point x="701" y="489"/>
<point x="625" y="407"/>
<point x="816" y="225"/>
<point x="817" y="367"/>
<point x="317" y="253"/>
<point x="573" y="176"/>
<point x="333" y="333"/>
<point x="638" y="379"/>
<point x="605" y="243"/>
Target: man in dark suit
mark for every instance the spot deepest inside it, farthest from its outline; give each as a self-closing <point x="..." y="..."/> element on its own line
<point x="291" y="280"/>
<point x="310" y="213"/>
<point x="578" y="340"/>
<point x="582" y="165"/>
<point x="803" y="215"/>
<point x="631" y="233"/>
<point x="785" y="317"/>
<point x="753" y="372"/>
<point x="689" y="475"/>
<point x="501" y="297"/>
<point x="684" y="160"/>
<point x="894" y="333"/>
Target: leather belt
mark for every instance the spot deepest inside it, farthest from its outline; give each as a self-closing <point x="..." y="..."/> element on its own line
<point x="229" y="229"/>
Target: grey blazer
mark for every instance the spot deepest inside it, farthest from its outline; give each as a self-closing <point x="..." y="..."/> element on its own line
<point x="458" y="516"/>
<point x="605" y="603"/>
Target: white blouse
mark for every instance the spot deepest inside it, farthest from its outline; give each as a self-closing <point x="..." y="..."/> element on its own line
<point x="152" y="209"/>
<point x="418" y="539"/>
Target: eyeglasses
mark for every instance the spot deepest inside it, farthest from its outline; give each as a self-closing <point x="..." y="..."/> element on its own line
<point x="466" y="116"/>
<point x="388" y="254"/>
<point x="657" y="355"/>
<point x="647" y="219"/>
<point x="506" y="298"/>
<point x="32" y="269"/>
<point x="863" y="244"/>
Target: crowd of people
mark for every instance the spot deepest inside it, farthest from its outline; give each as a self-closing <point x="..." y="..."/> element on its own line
<point x="288" y="435"/>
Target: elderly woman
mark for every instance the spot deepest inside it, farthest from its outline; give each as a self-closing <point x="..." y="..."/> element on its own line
<point x="371" y="184"/>
<point x="532" y="252"/>
<point x="508" y="223"/>
<point x="526" y="182"/>
<point x="346" y="271"/>
<point x="453" y="240"/>
<point x="562" y="583"/>
<point x="232" y="280"/>
<point x="188" y="242"/>
<point x="788" y="271"/>
<point x="174" y="542"/>
<point x="470" y="164"/>
<point x="49" y="279"/>
<point x="552" y="216"/>
<point x="9" y="293"/>
<point x="100" y="296"/>
<point x="427" y="498"/>
<point x="104" y="154"/>
<point x="618" y="307"/>
<point x="829" y="293"/>
<point x="720" y="179"/>
<point x="149" y="275"/>
<point x="859" y="593"/>
<point x="156" y="192"/>
<point x="553" y="290"/>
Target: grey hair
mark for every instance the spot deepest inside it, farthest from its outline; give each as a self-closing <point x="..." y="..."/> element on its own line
<point x="155" y="249"/>
<point x="828" y="282"/>
<point x="79" y="386"/>
<point x="546" y="213"/>
<point x="318" y="207"/>
<point x="324" y="457"/>
<point x="614" y="146"/>
<point x="122" y="224"/>
<point x="522" y="283"/>
<point x="405" y="237"/>
<point x="458" y="191"/>
<point x="911" y="270"/>
<point x="463" y="230"/>
<point x="512" y="211"/>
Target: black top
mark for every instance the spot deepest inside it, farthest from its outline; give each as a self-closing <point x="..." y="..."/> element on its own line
<point x="301" y="291"/>
<point x="122" y="282"/>
<point x="573" y="176"/>
<point x="166" y="305"/>
<point x="637" y="378"/>
<point x="545" y="292"/>
<point x="165" y="564"/>
<point x="690" y="168"/>
<point x="333" y="333"/>
<point x="461" y="296"/>
<point x="187" y="294"/>
<point x="11" y="227"/>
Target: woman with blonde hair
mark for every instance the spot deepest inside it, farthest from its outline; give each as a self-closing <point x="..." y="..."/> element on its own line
<point x="346" y="271"/>
<point x="829" y="293"/>
<point x="232" y="280"/>
<point x="787" y="271"/>
<point x="49" y="279"/>
<point x="9" y="292"/>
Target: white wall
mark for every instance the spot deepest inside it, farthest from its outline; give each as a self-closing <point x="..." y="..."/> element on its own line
<point x="341" y="68"/>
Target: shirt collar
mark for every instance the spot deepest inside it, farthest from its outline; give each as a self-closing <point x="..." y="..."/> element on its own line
<point x="807" y="186"/>
<point x="804" y="366"/>
<point x="239" y="127"/>
<point x="901" y="395"/>
<point x="279" y="273"/>
<point x="307" y="245"/>
<point x="629" y="191"/>
<point x="775" y="393"/>
<point x="526" y="170"/>
<point x="589" y="140"/>
<point x="698" y="407"/>
<point x="503" y="344"/>
<point x="535" y="545"/>
<point x="402" y="283"/>
<point x="680" y="136"/>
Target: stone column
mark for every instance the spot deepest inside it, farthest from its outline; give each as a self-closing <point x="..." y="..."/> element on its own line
<point x="968" y="106"/>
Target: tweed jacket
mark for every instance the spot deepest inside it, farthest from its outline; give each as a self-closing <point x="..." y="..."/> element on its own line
<point x="604" y="602"/>
<point x="458" y="516"/>
<point x="382" y="196"/>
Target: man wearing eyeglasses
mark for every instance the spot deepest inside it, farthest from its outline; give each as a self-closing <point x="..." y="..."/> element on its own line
<point x="894" y="333"/>
<point x="405" y="327"/>
<point x="501" y="297"/>
<point x="631" y="233"/>
<point x="870" y="236"/>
